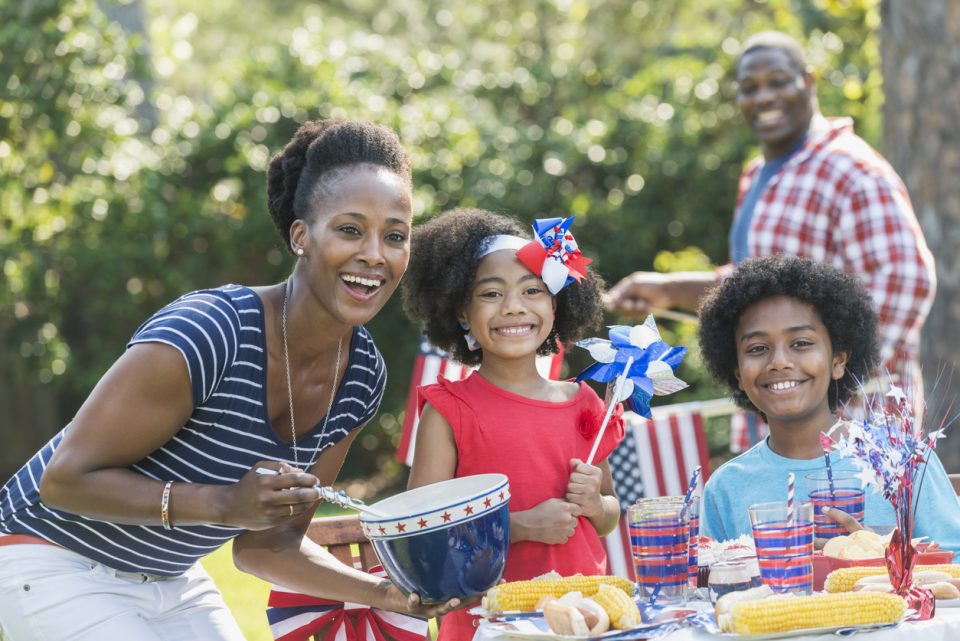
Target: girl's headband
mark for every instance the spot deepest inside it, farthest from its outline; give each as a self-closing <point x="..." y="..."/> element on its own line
<point x="492" y="244"/>
<point x="553" y="256"/>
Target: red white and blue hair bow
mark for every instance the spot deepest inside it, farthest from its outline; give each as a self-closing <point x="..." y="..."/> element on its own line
<point x="651" y="371"/>
<point x="553" y="255"/>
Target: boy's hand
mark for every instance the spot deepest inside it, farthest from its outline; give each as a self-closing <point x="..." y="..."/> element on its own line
<point x="553" y="521"/>
<point x="842" y="519"/>
<point x="583" y="488"/>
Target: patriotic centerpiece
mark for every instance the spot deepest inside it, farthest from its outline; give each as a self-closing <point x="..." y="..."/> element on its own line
<point x="891" y="448"/>
<point x="640" y="354"/>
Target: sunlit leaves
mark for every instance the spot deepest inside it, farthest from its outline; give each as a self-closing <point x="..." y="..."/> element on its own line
<point x="128" y="180"/>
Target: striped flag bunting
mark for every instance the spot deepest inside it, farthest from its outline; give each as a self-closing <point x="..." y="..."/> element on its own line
<point x="298" y="617"/>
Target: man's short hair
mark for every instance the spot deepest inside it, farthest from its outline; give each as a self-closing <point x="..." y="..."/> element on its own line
<point x="780" y="41"/>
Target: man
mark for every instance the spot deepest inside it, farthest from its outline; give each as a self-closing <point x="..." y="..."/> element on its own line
<point x="819" y="191"/>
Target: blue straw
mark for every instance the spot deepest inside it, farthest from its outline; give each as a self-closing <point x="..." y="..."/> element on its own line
<point x="691" y="488"/>
<point x="825" y="443"/>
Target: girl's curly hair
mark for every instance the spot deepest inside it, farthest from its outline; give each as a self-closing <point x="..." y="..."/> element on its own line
<point x="439" y="282"/>
<point x="839" y="299"/>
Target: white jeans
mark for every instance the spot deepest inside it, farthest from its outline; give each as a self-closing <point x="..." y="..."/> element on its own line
<point x="48" y="593"/>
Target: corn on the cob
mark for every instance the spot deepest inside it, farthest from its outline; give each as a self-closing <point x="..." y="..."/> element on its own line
<point x="524" y="595"/>
<point x="621" y="609"/>
<point x="783" y="613"/>
<point x="843" y="579"/>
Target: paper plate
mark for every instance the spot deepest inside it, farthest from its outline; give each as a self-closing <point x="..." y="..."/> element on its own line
<point x="840" y="630"/>
<point x="948" y="603"/>
<point x="531" y="626"/>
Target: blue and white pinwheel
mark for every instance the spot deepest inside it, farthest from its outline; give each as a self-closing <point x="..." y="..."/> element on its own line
<point x="651" y="369"/>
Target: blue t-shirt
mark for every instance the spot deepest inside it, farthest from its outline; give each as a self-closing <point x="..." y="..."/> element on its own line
<point x="740" y="231"/>
<point x="760" y="475"/>
<point x="220" y="334"/>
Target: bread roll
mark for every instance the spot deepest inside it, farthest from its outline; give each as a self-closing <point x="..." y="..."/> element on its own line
<point x="596" y="617"/>
<point x="565" y="619"/>
<point x="924" y="577"/>
<point x="879" y="586"/>
<point x="943" y="590"/>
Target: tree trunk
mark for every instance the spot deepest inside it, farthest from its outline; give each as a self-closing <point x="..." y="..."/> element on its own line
<point x="920" y="49"/>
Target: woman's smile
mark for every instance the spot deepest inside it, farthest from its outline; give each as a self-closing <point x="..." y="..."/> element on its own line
<point x="362" y="287"/>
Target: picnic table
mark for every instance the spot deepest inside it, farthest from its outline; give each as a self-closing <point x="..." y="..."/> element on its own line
<point x="945" y="626"/>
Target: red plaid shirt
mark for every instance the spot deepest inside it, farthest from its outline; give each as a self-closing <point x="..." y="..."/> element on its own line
<point x="838" y="201"/>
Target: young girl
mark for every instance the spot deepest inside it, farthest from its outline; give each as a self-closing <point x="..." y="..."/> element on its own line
<point x="474" y="298"/>
<point x="793" y="338"/>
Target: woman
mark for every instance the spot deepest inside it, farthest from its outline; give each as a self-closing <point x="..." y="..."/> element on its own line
<point x="104" y="525"/>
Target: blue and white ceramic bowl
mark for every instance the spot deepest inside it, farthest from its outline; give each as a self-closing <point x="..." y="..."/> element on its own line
<point x="446" y="540"/>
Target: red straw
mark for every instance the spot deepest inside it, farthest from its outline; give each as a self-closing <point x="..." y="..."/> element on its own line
<point x="790" y="482"/>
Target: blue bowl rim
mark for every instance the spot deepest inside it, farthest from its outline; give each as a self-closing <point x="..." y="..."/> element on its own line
<point x="406" y="525"/>
<point x="394" y="537"/>
<point x="366" y="519"/>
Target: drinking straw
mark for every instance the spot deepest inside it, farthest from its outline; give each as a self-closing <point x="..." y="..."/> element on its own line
<point x="825" y="442"/>
<point x="691" y="488"/>
<point x="614" y="399"/>
<point x="790" y="483"/>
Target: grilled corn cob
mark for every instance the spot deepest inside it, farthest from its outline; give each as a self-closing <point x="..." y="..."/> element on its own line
<point x="843" y="579"/>
<point x="621" y="609"/>
<point x="783" y="613"/>
<point x="524" y="595"/>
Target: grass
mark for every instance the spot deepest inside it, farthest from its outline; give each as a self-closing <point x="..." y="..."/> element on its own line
<point x="246" y="595"/>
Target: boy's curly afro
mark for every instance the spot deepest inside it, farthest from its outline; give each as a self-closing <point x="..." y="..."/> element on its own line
<point x="839" y="299"/>
<point x="443" y="266"/>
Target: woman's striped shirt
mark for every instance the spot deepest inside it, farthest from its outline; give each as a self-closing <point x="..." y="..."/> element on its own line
<point x="220" y="334"/>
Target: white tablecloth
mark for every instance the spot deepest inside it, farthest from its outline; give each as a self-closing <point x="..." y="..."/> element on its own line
<point x="945" y="626"/>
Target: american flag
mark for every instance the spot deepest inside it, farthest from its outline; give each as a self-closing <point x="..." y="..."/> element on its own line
<point x="429" y="365"/>
<point x="746" y="430"/>
<point x="655" y="458"/>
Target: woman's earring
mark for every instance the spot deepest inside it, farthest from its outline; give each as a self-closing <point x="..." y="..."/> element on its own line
<point x="299" y="251"/>
<point x="472" y="343"/>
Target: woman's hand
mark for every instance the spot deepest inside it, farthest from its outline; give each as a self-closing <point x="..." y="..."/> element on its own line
<point x="553" y="521"/>
<point x="397" y="601"/>
<point x="583" y="488"/>
<point x="259" y="500"/>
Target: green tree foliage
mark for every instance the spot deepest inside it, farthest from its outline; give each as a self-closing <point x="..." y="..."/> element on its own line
<point x="618" y="111"/>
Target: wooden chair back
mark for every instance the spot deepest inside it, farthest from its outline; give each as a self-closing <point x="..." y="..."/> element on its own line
<point x="344" y="539"/>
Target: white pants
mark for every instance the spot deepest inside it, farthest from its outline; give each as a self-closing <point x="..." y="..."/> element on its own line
<point x="48" y="593"/>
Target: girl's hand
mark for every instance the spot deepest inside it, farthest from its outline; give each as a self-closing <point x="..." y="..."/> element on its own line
<point x="553" y="521"/>
<point x="260" y="501"/>
<point x="583" y="488"/>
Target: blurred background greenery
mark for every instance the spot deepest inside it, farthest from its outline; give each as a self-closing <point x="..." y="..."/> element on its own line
<point x="134" y="138"/>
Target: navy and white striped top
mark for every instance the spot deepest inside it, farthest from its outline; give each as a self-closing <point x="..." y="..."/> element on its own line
<point x="220" y="334"/>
